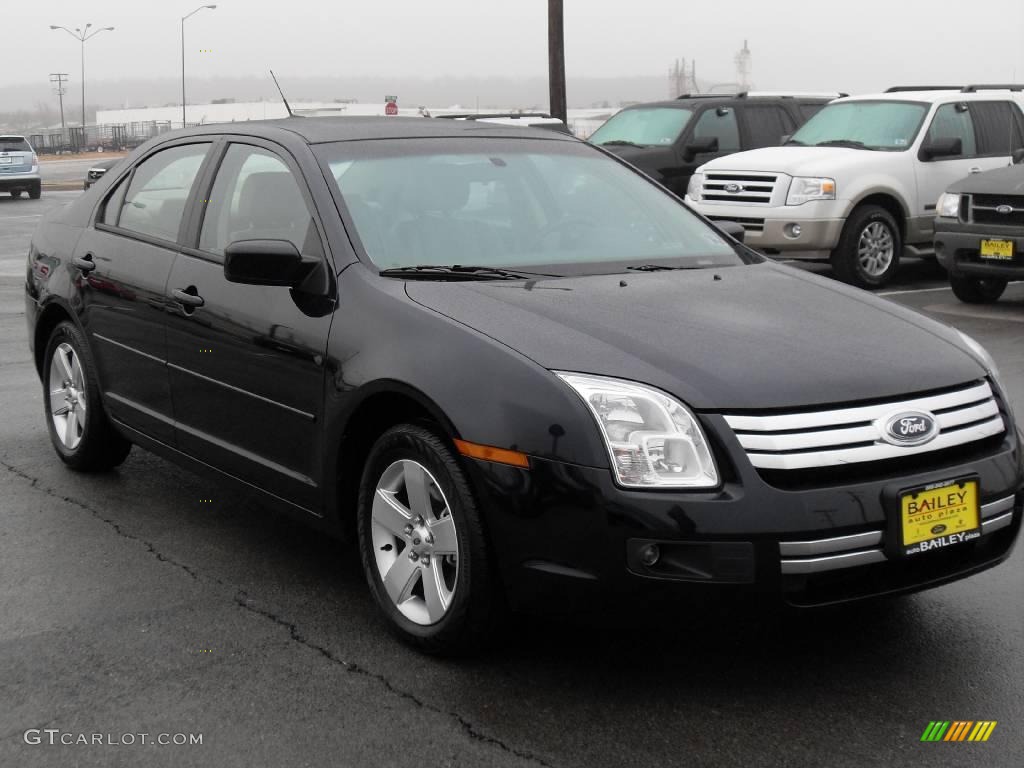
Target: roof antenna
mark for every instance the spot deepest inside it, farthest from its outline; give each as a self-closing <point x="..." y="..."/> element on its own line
<point x="286" y="105"/>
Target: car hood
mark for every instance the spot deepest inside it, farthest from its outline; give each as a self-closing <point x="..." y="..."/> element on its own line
<point x="803" y="161"/>
<point x="1001" y="181"/>
<point x="747" y="337"/>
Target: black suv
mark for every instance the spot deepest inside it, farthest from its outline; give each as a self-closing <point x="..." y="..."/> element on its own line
<point x="979" y="232"/>
<point x="515" y="370"/>
<point x="669" y="140"/>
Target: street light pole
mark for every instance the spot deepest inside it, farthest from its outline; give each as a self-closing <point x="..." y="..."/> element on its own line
<point x="183" y="19"/>
<point x="82" y="34"/>
<point x="556" y="60"/>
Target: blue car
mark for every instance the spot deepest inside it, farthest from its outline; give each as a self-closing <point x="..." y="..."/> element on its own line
<point x="19" y="167"/>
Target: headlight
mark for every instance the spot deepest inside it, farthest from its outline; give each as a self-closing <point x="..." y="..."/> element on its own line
<point x="693" y="189"/>
<point x="654" y="440"/>
<point x="805" y="188"/>
<point x="948" y="206"/>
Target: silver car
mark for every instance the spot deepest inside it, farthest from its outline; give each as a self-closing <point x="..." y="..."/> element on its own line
<point x="19" y="167"/>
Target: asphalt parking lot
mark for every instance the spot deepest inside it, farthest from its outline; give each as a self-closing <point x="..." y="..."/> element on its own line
<point x="149" y="600"/>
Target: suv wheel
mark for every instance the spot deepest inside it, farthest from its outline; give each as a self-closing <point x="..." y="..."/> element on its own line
<point x="977" y="290"/>
<point x="868" y="253"/>
<point x="36" y="192"/>
<point x="422" y="543"/>
<point x="15" y="193"/>
<point x="79" y="429"/>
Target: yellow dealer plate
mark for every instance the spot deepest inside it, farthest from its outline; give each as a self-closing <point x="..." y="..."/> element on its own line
<point x="940" y="516"/>
<point x="996" y="249"/>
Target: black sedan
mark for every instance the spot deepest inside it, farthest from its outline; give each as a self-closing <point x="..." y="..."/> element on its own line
<point x="516" y="371"/>
<point x="97" y="169"/>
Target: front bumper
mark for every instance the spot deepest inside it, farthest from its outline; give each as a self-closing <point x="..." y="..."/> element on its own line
<point x="769" y="228"/>
<point x="10" y="182"/>
<point x="957" y="249"/>
<point x="565" y="535"/>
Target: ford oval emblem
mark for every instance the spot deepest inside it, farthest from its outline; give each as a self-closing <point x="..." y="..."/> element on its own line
<point x="910" y="428"/>
<point x="937" y="529"/>
<point x="732" y="189"/>
<point x="1004" y="209"/>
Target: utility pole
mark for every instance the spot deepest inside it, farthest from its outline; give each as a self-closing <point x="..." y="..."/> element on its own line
<point x="58" y="79"/>
<point x="556" y="60"/>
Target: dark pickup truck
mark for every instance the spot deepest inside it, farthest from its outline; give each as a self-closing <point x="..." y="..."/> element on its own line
<point x="979" y="232"/>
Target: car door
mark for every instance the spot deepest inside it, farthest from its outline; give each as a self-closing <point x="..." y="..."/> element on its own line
<point x="765" y="125"/>
<point x="245" y="362"/>
<point x="985" y="130"/>
<point x="124" y="261"/>
<point x="713" y="122"/>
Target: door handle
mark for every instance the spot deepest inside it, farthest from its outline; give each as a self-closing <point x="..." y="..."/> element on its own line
<point x="84" y="263"/>
<point x="188" y="297"/>
<point x="975" y="169"/>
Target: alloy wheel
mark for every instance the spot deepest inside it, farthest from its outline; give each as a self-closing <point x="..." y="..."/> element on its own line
<point x="67" y="396"/>
<point x="415" y="544"/>
<point x="875" y="249"/>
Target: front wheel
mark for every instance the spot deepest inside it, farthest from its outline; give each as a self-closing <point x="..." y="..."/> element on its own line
<point x="422" y="543"/>
<point x="977" y="290"/>
<point x="868" y="253"/>
<point x="79" y="429"/>
<point x="15" y="193"/>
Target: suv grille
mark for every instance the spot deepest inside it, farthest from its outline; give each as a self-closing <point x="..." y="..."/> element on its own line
<point x="95" y="173"/>
<point x="984" y="210"/>
<point x="739" y="187"/>
<point x="844" y="436"/>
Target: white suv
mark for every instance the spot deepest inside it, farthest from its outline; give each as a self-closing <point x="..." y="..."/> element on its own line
<point x="19" y="167"/>
<point x="859" y="182"/>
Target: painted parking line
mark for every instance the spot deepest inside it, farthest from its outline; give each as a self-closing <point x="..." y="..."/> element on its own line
<point x="913" y="290"/>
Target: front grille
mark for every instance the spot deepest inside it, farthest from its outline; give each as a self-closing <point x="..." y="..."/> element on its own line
<point x="95" y="173"/>
<point x="854" y="435"/>
<point x="749" y="224"/>
<point x="739" y="187"/>
<point x="992" y="209"/>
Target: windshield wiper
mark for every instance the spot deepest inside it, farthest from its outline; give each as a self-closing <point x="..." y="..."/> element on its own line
<point x="660" y="267"/>
<point x="795" y="142"/>
<point x="458" y="272"/>
<point x="843" y="143"/>
<point x="621" y="143"/>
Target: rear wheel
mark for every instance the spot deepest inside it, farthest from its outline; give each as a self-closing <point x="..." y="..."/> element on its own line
<point x="79" y="429"/>
<point x="36" y="192"/>
<point x="977" y="290"/>
<point x="422" y="543"/>
<point x="15" y="193"/>
<point x="868" y="254"/>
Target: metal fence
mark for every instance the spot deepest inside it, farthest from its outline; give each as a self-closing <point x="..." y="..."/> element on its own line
<point x="91" y="138"/>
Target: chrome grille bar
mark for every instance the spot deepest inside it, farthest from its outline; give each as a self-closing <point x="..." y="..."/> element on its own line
<point x="852" y="435"/>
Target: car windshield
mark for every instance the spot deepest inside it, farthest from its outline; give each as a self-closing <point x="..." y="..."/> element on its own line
<point x="14" y="144"/>
<point x="514" y="203"/>
<point x="879" y="125"/>
<point x="651" y="126"/>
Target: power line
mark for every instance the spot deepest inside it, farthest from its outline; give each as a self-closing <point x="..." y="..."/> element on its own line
<point x="58" y="79"/>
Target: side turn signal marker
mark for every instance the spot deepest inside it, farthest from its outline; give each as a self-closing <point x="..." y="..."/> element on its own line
<point x="490" y="453"/>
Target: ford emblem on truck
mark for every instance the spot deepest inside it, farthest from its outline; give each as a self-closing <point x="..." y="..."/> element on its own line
<point x="733" y="188"/>
<point x="910" y="428"/>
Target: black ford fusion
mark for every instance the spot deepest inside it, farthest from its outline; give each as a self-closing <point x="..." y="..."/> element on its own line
<point x="515" y="371"/>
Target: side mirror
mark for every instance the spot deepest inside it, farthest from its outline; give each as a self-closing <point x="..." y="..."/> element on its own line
<point x="700" y="147"/>
<point x="265" y="262"/>
<point x="733" y="229"/>
<point x="942" y="148"/>
<point x="1018" y="157"/>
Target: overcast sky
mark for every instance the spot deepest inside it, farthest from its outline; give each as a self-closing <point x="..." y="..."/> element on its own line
<point x="861" y="45"/>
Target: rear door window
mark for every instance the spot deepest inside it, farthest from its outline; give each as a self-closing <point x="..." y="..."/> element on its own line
<point x="155" y="201"/>
<point x="997" y="126"/>
<point x="14" y="144"/>
<point x="719" y="122"/>
<point x="767" y="124"/>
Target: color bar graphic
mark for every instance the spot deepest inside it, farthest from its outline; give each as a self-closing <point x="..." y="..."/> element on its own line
<point x="958" y="730"/>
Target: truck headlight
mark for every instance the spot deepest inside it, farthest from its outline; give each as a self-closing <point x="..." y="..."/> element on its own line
<point x="948" y="206"/>
<point x="654" y="441"/>
<point x="693" y="189"/>
<point x="806" y="188"/>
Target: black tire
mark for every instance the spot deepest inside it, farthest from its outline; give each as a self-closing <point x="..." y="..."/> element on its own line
<point x="101" y="446"/>
<point x="15" y="193"/>
<point x="845" y="259"/>
<point x="470" y="616"/>
<point x="977" y="290"/>
<point x="36" y="192"/>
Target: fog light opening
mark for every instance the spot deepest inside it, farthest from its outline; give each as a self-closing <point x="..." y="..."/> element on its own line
<point x="650" y="555"/>
<point x="793" y="231"/>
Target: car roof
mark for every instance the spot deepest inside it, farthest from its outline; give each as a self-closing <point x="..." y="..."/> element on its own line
<point x="320" y="130"/>
<point x="939" y="96"/>
<point x="687" y="100"/>
<point x="10" y="136"/>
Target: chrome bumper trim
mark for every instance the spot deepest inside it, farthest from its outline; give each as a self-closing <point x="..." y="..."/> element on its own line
<point x="994" y="508"/>
<point x="833" y="562"/>
<point x="988" y="526"/>
<point x="827" y="546"/>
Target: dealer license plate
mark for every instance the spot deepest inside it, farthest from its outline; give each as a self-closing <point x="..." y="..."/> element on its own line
<point x="940" y="516"/>
<point x="996" y="249"/>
